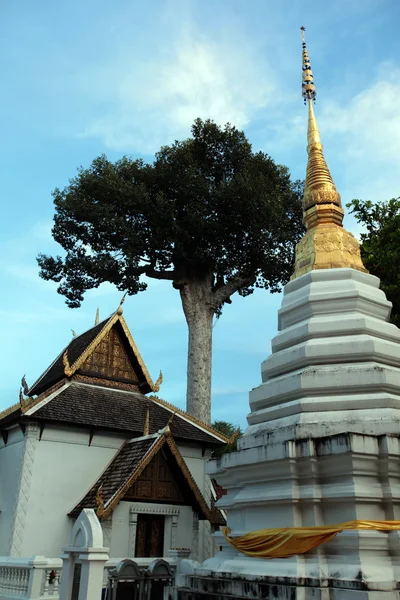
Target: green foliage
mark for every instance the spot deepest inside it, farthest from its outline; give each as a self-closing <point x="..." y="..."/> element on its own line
<point x="380" y="245"/>
<point x="206" y="204"/>
<point x="226" y="429"/>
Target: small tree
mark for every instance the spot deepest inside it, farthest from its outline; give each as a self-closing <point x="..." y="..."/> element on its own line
<point x="229" y="430"/>
<point x="209" y="215"/>
<point x="380" y="245"/>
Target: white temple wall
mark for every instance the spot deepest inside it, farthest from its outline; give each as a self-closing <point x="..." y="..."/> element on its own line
<point x="196" y="463"/>
<point x="10" y="463"/>
<point x="65" y="467"/>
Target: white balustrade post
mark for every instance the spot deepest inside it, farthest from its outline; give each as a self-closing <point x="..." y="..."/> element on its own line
<point x="37" y="566"/>
<point x="91" y="582"/>
<point x="86" y="548"/>
<point x="67" y="575"/>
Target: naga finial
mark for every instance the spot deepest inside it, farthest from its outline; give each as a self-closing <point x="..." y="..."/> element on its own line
<point x="156" y="385"/>
<point x="99" y="501"/>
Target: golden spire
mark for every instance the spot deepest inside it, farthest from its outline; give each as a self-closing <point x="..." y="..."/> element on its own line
<point x="326" y="245"/>
<point x="319" y="187"/>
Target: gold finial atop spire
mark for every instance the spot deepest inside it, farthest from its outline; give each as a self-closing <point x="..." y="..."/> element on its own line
<point x="97" y="318"/>
<point x="326" y="245"/>
<point x="309" y="92"/>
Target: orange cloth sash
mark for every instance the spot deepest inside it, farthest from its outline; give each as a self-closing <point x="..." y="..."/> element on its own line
<point x="288" y="541"/>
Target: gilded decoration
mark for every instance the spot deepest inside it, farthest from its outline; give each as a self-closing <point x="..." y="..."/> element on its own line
<point x="326" y="245"/>
<point x="115" y="385"/>
<point x="156" y="483"/>
<point x="110" y="359"/>
<point x="99" y="502"/>
<point x="118" y="364"/>
<point x="146" y="429"/>
<point x="9" y="410"/>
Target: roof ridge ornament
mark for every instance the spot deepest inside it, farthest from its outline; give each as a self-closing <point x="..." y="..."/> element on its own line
<point x="24" y="385"/>
<point x="99" y="501"/>
<point x="97" y="318"/>
<point x="67" y="367"/>
<point x="146" y="429"/>
<point x="119" y="310"/>
<point x="156" y="385"/>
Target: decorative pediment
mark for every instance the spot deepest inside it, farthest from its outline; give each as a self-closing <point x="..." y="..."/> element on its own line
<point x="159" y="482"/>
<point x="110" y="359"/>
<point x="107" y="351"/>
<point x="151" y="469"/>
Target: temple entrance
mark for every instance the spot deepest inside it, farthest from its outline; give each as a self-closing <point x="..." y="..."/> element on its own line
<point x="150" y="536"/>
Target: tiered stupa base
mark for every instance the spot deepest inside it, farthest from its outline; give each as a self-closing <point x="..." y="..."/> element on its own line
<point x="322" y="447"/>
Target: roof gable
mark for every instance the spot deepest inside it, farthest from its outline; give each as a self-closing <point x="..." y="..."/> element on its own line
<point x="107" y="350"/>
<point x="130" y="463"/>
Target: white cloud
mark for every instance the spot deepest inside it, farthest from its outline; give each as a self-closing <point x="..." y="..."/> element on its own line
<point x="155" y="101"/>
<point x="366" y="135"/>
<point x="371" y="121"/>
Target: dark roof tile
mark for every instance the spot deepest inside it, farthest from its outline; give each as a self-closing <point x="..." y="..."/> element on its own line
<point x="107" y="408"/>
<point x="116" y="474"/>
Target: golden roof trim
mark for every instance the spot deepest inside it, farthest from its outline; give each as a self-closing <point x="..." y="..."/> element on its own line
<point x="70" y="369"/>
<point x="100" y="501"/>
<point x="146" y="428"/>
<point x="189" y="477"/>
<point x="153" y="386"/>
<point x="9" y="410"/>
<point x="192" y="419"/>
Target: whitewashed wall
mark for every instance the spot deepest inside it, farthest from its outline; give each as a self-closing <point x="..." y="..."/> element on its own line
<point x="10" y="467"/>
<point x="65" y="467"/>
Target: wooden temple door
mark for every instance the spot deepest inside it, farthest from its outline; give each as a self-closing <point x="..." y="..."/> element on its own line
<point x="150" y="536"/>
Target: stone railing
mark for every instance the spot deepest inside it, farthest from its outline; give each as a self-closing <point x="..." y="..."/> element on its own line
<point x="142" y="563"/>
<point x="36" y="577"/>
<point x="39" y="577"/>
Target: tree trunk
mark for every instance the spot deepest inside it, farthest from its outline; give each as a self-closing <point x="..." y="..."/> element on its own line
<point x="196" y="298"/>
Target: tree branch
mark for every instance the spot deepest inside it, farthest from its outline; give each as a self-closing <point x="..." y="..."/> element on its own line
<point x="223" y="293"/>
<point x="170" y="275"/>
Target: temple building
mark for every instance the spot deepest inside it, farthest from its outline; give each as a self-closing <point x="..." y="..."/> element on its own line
<point x="87" y="434"/>
<point x="313" y="492"/>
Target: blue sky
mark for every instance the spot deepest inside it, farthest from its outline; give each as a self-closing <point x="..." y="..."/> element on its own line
<point x="124" y="77"/>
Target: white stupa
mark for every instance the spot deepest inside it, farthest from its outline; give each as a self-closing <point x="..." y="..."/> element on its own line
<point x="322" y="445"/>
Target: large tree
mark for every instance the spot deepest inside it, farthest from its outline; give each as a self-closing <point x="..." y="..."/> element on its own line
<point x="209" y="215"/>
<point x="380" y="245"/>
